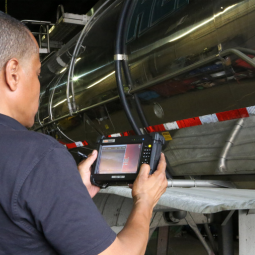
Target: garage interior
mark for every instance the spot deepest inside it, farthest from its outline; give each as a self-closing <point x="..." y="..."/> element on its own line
<point x="186" y="71"/>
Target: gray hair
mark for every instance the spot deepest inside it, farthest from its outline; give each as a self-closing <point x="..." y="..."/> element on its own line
<point x="15" y="40"/>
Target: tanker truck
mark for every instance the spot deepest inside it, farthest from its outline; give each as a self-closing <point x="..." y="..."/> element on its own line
<point x="188" y="74"/>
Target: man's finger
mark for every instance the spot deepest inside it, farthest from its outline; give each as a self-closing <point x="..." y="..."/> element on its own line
<point x="144" y="170"/>
<point x="90" y="160"/>
<point x="161" y="165"/>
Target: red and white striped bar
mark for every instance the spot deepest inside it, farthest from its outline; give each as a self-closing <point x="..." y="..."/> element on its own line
<point x="197" y="121"/>
<point x="74" y="145"/>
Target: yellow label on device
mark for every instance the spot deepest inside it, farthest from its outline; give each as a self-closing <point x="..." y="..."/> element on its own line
<point x="167" y="136"/>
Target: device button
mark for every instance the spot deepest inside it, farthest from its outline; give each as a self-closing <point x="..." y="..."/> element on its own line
<point x="149" y="145"/>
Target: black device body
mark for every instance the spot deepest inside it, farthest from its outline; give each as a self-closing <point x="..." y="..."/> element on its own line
<point x="119" y="158"/>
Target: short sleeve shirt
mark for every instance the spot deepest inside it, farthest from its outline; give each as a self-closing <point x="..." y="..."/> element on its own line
<point x="44" y="206"/>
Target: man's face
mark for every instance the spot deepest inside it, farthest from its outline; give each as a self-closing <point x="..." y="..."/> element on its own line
<point x="29" y="90"/>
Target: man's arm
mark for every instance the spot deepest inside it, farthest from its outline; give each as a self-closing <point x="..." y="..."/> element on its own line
<point x="133" y="238"/>
<point x="147" y="190"/>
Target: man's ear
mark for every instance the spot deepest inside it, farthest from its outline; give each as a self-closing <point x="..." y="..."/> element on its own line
<point x="12" y="73"/>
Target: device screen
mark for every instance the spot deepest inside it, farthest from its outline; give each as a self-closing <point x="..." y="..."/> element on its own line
<point x="121" y="158"/>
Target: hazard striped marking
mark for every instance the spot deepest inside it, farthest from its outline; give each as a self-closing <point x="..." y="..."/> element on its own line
<point x="208" y="119"/>
<point x="74" y="145"/>
<point x="197" y="121"/>
<point x="189" y="122"/>
<point x="234" y="114"/>
<point x="171" y="126"/>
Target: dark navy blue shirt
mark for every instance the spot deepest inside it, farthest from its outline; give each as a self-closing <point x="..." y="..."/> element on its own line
<point x="44" y="206"/>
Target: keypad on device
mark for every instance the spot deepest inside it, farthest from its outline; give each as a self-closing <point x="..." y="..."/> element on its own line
<point x="146" y="154"/>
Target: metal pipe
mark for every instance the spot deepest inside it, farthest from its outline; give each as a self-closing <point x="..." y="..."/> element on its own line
<point x="50" y="106"/>
<point x="52" y="95"/>
<point x="199" y="184"/>
<point x="41" y="31"/>
<point x="162" y="245"/>
<point x="226" y="244"/>
<point x="210" y="237"/>
<point x="194" y="227"/>
<point x="38" y="33"/>
<point x="60" y="8"/>
<point x="223" y="156"/>
<point x="80" y="111"/>
<point x="37" y="22"/>
<point x="48" y="56"/>
<point x="68" y="138"/>
<point x="83" y="34"/>
<point x="40" y="99"/>
<point x="48" y="38"/>
<point x="245" y="50"/>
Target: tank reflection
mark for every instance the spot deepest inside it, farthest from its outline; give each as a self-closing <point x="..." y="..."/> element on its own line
<point x="177" y="63"/>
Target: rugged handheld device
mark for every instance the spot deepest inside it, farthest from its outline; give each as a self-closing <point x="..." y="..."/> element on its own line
<point x="119" y="158"/>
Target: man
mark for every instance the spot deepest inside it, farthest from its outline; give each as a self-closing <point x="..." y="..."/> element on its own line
<point x="45" y="202"/>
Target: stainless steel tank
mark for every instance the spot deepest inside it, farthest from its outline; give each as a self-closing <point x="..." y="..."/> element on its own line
<point x="187" y="58"/>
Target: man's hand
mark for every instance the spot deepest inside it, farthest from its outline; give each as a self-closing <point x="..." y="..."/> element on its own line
<point x="85" y="171"/>
<point x="149" y="188"/>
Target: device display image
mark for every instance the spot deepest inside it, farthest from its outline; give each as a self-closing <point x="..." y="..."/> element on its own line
<point x="119" y="158"/>
<point x="122" y="158"/>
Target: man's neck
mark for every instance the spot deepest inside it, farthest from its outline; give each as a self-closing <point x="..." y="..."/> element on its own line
<point x="9" y="113"/>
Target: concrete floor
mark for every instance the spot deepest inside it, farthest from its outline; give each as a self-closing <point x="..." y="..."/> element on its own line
<point x="180" y="243"/>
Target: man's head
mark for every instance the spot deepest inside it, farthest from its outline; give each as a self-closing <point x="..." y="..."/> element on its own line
<point x="19" y="70"/>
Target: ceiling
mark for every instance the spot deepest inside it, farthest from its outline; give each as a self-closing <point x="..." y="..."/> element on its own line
<point x="44" y="9"/>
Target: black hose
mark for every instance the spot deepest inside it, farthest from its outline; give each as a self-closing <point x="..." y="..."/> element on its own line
<point x="118" y="63"/>
<point x="125" y="66"/>
<point x="136" y="99"/>
<point x="140" y="111"/>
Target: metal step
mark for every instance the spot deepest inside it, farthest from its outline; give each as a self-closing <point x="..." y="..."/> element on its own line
<point x="54" y="36"/>
<point x="66" y="28"/>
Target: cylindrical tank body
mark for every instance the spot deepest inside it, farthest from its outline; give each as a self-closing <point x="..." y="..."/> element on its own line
<point x="177" y="61"/>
